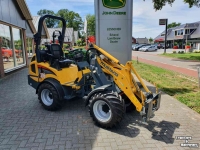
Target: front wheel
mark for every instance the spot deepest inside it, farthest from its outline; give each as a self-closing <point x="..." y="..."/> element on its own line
<point x="48" y="97"/>
<point x="106" y="109"/>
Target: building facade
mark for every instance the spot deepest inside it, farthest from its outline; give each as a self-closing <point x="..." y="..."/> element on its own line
<point x="181" y="35"/>
<point x="142" y="40"/>
<point x="133" y="40"/>
<point x="16" y="34"/>
<point x="69" y="36"/>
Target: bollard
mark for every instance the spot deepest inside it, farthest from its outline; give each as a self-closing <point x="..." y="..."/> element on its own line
<point x="198" y="70"/>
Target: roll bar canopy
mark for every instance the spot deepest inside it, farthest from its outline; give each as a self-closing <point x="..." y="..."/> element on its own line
<point x="37" y="36"/>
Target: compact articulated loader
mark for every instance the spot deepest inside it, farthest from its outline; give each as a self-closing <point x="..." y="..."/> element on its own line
<point x="109" y="87"/>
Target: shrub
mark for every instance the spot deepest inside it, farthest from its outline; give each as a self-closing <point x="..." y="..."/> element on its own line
<point x="188" y="43"/>
<point x="174" y="51"/>
<point x="79" y="42"/>
<point x="196" y="51"/>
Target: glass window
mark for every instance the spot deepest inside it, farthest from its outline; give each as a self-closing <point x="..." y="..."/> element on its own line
<point x="29" y="44"/>
<point x="181" y="32"/>
<point x="18" y="46"/>
<point x="6" y="49"/>
<point x="191" y="30"/>
<point x="175" y="32"/>
<point x="186" y="31"/>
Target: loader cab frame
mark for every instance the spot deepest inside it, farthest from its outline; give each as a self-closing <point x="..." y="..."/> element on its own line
<point x="37" y="36"/>
<point x="54" y="54"/>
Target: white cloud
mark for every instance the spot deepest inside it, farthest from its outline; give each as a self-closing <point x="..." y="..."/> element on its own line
<point x="146" y="19"/>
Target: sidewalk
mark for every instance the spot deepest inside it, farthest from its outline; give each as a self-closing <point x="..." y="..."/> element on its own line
<point x="185" y="67"/>
<point x="185" y="71"/>
<point x="188" y="64"/>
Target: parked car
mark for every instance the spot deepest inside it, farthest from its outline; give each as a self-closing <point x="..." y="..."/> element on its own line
<point x="148" y="48"/>
<point x="142" y="47"/>
<point x="134" y="45"/>
<point x="139" y="46"/>
<point x="161" y="46"/>
<point x="155" y="44"/>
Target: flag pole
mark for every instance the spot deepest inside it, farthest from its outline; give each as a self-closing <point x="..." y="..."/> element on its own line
<point x="85" y="30"/>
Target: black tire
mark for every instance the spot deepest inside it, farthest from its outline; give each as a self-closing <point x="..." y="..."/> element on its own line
<point x="113" y="102"/>
<point x="56" y="104"/>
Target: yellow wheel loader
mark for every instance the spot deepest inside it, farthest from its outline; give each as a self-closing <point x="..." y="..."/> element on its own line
<point x="110" y="88"/>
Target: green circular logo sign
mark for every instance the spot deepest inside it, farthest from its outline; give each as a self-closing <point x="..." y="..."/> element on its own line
<point x="114" y="4"/>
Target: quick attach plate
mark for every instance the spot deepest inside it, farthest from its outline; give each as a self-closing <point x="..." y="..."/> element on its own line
<point x="149" y="109"/>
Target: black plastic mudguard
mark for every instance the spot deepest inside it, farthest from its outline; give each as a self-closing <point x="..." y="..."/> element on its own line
<point x="99" y="89"/>
<point x="57" y="86"/>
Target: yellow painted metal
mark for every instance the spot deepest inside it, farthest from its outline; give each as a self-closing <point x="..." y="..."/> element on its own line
<point x="66" y="76"/>
<point x="106" y="54"/>
<point x="139" y="78"/>
<point x="122" y="78"/>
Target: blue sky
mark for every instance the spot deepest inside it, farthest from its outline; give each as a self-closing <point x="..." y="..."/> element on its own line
<point x="145" y="18"/>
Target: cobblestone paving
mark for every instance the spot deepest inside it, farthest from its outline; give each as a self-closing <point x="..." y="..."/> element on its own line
<point x="24" y="124"/>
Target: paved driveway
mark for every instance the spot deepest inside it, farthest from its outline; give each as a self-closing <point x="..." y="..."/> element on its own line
<point x="24" y="124"/>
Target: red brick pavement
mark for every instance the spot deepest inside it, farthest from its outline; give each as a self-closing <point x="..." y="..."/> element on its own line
<point x="188" y="72"/>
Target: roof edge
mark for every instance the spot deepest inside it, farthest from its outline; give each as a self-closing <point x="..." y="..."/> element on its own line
<point x="24" y="8"/>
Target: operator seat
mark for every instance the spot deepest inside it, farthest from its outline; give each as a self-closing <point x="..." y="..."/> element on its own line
<point x="57" y="60"/>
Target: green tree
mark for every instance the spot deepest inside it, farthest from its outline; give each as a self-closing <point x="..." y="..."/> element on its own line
<point x="150" y="40"/>
<point x="173" y="24"/>
<point x="73" y="19"/>
<point x="18" y="44"/>
<point x="49" y="22"/>
<point x="159" y="4"/>
<point x="90" y="24"/>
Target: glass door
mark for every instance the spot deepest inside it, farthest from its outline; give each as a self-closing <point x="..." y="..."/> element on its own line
<point x="6" y="47"/>
<point x="18" y="47"/>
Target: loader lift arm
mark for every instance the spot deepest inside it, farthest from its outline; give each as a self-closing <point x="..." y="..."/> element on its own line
<point x="123" y="77"/>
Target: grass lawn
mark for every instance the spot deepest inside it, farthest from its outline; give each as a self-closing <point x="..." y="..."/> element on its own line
<point x="187" y="56"/>
<point x="174" y="84"/>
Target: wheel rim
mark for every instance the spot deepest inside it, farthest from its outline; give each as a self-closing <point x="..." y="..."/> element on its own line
<point x="47" y="97"/>
<point x="102" y="111"/>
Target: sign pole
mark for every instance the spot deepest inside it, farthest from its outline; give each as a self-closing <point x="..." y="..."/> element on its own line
<point x="164" y="22"/>
<point x="198" y="70"/>
<point x="165" y="36"/>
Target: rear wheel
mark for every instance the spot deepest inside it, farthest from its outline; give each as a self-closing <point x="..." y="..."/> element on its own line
<point x="48" y="97"/>
<point x="106" y="109"/>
